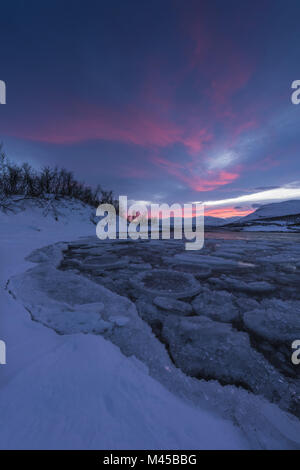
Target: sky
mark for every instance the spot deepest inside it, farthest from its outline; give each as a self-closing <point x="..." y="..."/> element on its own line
<point x="166" y="101"/>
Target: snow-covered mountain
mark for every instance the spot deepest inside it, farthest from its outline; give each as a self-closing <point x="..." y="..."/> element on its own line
<point x="274" y="217"/>
<point x="231" y="220"/>
<point x="275" y="210"/>
<point x="210" y="221"/>
<point x="213" y="221"/>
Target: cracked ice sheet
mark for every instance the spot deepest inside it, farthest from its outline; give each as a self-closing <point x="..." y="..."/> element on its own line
<point x="45" y="286"/>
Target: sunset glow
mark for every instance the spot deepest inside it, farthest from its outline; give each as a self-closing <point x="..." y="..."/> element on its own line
<point x="211" y="122"/>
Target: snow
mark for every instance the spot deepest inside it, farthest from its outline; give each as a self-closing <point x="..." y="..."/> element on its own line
<point x="275" y="217"/>
<point x="276" y="209"/>
<point x="113" y="385"/>
<point x="79" y="391"/>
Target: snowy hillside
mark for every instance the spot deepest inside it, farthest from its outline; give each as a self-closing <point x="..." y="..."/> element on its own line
<point x="38" y="214"/>
<point x="274" y="210"/>
<point x="275" y="217"/>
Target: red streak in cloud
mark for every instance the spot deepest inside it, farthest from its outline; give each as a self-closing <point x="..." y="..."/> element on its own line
<point x="131" y="125"/>
<point x="157" y="119"/>
<point x="223" y="213"/>
<point x="218" y="179"/>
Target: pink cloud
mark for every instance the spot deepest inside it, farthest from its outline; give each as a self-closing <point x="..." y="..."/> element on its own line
<point x="157" y="120"/>
<point x="228" y="212"/>
<point x="209" y="181"/>
<point x="131" y="125"/>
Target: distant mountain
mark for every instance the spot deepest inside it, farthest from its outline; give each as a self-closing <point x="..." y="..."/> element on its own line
<point x="274" y="217"/>
<point x="213" y="221"/>
<point x="274" y="210"/>
<point x="230" y="220"/>
<point x="210" y="221"/>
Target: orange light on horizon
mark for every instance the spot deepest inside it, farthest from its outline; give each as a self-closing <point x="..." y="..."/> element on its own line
<point x="226" y="212"/>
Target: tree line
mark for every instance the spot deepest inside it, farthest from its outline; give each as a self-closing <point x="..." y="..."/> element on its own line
<point x="25" y="180"/>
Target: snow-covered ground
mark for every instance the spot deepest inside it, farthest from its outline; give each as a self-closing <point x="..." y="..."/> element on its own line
<point x="78" y="390"/>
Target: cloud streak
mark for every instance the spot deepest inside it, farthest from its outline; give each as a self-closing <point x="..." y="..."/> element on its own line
<point x="283" y="193"/>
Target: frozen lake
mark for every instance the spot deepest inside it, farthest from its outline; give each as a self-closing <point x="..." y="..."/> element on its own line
<point x="227" y="313"/>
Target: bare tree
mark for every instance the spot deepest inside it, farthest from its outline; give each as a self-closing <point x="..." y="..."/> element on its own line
<point x="26" y="181"/>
